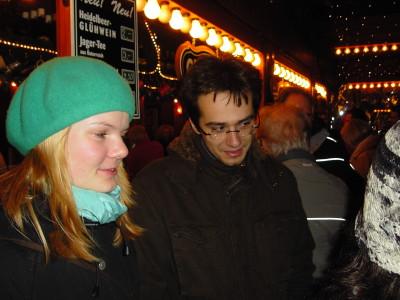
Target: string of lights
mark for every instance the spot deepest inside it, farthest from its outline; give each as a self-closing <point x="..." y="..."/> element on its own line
<point x="153" y="37"/>
<point x="28" y="47"/>
<point x="372" y="85"/>
<point x="187" y="22"/>
<point x="290" y="75"/>
<point x="370" y="48"/>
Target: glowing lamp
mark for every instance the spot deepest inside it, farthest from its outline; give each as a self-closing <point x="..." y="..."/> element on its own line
<point x="257" y="61"/>
<point x="140" y="5"/>
<point x="277" y="69"/>
<point x="204" y="32"/>
<point x="212" y="37"/>
<point x="196" y="30"/>
<point x="152" y="9"/>
<point x="226" y="44"/>
<point x="176" y="21"/>
<point x="187" y="23"/>
<point x="238" y="50"/>
<point x="249" y="57"/>
<point x="165" y="13"/>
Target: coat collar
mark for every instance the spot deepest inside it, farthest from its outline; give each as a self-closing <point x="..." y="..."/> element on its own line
<point x="190" y="146"/>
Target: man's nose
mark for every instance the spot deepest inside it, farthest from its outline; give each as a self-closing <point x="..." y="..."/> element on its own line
<point x="233" y="138"/>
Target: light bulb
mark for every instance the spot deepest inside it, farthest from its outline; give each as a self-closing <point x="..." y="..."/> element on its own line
<point x="176" y="21"/>
<point x="140" y="5"/>
<point x="277" y="69"/>
<point x="212" y="37"/>
<point x="152" y="9"/>
<point x="204" y="32"/>
<point x="226" y="44"/>
<point x="196" y="29"/>
<point x="165" y="13"/>
<point x="257" y="62"/>
<point x="249" y="57"/>
<point x="238" y="50"/>
<point x="187" y="24"/>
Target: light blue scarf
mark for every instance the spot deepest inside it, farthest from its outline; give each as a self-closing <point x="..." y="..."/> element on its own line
<point x="99" y="207"/>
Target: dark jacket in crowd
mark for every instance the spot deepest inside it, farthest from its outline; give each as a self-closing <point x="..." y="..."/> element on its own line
<point x="25" y="275"/>
<point x="332" y="157"/>
<point x="218" y="232"/>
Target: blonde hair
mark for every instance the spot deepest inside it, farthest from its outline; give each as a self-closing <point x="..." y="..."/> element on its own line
<point x="282" y="128"/>
<point x="44" y="174"/>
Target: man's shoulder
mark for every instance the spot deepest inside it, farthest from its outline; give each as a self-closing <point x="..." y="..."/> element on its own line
<point x="165" y="166"/>
<point x="274" y="166"/>
<point x="274" y="172"/>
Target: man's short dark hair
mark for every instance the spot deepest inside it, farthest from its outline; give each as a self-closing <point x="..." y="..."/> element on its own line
<point x="213" y="75"/>
<point x="284" y="93"/>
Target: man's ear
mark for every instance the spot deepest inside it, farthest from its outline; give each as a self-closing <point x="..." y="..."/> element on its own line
<point x="194" y="127"/>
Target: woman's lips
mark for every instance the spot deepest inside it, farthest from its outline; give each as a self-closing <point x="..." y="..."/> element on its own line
<point x="110" y="171"/>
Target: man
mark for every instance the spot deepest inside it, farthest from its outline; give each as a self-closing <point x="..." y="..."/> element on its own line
<point x="329" y="150"/>
<point x="221" y="222"/>
<point x="283" y="134"/>
<point x="299" y="98"/>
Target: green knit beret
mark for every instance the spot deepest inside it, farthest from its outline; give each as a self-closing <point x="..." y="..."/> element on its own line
<point x="63" y="91"/>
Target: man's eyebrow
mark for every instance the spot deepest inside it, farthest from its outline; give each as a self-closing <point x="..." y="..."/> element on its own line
<point x="248" y="118"/>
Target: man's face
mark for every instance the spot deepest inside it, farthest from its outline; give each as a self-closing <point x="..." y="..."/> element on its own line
<point x="222" y="116"/>
<point x="301" y="102"/>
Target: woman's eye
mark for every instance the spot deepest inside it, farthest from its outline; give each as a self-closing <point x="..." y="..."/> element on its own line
<point x="101" y="134"/>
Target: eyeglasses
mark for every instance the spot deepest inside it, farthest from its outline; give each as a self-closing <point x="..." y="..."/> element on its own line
<point x="243" y="129"/>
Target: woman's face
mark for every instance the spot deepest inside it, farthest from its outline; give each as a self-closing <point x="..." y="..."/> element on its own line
<point x="95" y="149"/>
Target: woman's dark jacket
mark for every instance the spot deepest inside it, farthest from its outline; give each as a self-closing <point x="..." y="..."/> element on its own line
<point x="219" y="232"/>
<point x="25" y="275"/>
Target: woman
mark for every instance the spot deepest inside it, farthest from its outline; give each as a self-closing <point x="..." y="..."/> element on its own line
<point x="372" y="271"/>
<point x="64" y="228"/>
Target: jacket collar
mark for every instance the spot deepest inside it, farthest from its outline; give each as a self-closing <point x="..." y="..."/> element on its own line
<point x="296" y="154"/>
<point x="190" y="146"/>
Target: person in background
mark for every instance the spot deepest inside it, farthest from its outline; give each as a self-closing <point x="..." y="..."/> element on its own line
<point x="284" y="134"/>
<point x="142" y="151"/>
<point x="322" y="144"/>
<point x="327" y="148"/>
<point x="164" y="135"/>
<point x="221" y="221"/>
<point x="361" y="157"/>
<point x="3" y="164"/>
<point x="64" y="228"/>
<point x="353" y="132"/>
<point x="372" y="271"/>
<point x="299" y="98"/>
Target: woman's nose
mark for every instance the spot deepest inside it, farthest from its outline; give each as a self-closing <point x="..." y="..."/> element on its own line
<point x="120" y="151"/>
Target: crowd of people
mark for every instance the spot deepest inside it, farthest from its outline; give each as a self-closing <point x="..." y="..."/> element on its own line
<point x="247" y="202"/>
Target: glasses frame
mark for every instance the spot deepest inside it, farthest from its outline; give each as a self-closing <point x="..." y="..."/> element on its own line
<point x="216" y="136"/>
